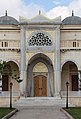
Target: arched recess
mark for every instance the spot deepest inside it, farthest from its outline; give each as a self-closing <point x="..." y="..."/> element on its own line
<point x="14" y="61"/>
<point x="46" y="69"/>
<point x="70" y="74"/>
<point x="11" y="72"/>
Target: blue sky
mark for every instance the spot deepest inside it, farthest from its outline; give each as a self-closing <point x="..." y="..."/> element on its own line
<point x="43" y="3"/>
<point x="48" y="4"/>
<point x="49" y="8"/>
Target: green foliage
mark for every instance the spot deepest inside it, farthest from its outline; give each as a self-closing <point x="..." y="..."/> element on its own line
<point x="4" y="111"/>
<point x="2" y="66"/>
<point x="75" y="112"/>
<point x="5" y="69"/>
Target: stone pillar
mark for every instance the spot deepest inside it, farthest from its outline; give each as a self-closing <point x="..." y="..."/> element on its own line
<point x="79" y="80"/>
<point x="57" y="64"/>
<point x="23" y="61"/>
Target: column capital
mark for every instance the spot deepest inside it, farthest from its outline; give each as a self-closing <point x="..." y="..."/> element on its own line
<point x="57" y="27"/>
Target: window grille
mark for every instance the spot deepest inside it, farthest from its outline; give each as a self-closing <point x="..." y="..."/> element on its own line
<point x="40" y="39"/>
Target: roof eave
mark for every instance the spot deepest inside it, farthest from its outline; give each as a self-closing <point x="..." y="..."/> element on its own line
<point x="40" y="23"/>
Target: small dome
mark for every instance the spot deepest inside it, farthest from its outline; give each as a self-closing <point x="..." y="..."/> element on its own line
<point x="7" y="20"/>
<point x="72" y="20"/>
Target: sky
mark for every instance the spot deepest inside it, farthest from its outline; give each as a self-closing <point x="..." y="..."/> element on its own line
<point x="49" y="8"/>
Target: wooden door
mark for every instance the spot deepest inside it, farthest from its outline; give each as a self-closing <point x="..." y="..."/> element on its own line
<point x="74" y="82"/>
<point x="5" y="83"/>
<point x="40" y="86"/>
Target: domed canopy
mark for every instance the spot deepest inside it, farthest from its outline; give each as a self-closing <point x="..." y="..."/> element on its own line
<point x="7" y="20"/>
<point x="72" y="20"/>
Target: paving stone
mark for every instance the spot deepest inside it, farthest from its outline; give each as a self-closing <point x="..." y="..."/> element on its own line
<point x="39" y="113"/>
<point x="39" y="108"/>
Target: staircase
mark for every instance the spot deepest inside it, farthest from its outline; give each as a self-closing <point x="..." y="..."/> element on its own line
<point x="40" y="101"/>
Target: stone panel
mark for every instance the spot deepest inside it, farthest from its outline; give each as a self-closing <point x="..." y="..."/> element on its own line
<point x="72" y="55"/>
<point x="50" y="33"/>
<point x="40" y="67"/>
<point x="30" y="55"/>
<point x="9" y="35"/>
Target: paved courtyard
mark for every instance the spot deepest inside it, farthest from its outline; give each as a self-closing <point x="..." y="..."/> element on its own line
<point x="39" y="113"/>
<point x="48" y="112"/>
<point x="39" y="108"/>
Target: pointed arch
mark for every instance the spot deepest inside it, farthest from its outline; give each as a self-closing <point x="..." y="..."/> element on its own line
<point x="11" y="74"/>
<point x="70" y="74"/>
<point x="49" y="73"/>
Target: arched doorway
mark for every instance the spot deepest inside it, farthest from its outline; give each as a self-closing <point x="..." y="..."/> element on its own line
<point x="70" y="74"/>
<point x="40" y="78"/>
<point x="40" y="72"/>
<point x="10" y="72"/>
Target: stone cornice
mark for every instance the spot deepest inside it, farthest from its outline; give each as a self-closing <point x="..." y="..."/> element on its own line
<point x="39" y="20"/>
<point x="9" y="49"/>
<point x="63" y="50"/>
<point x="40" y="27"/>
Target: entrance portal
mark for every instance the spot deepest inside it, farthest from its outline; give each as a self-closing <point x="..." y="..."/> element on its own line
<point x="40" y="76"/>
<point x="40" y="86"/>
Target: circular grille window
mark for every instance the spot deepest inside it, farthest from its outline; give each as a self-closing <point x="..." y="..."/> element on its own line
<point x="40" y="39"/>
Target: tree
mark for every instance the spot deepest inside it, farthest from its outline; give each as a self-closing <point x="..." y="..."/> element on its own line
<point x="5" y="69"/>
<point x="2" y="67"/>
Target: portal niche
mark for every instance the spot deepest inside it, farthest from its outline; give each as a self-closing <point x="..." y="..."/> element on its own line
<point x="40" y="80"/>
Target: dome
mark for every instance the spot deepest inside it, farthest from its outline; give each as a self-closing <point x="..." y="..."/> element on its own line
<point x="72" y="20"/>
<point x="7" y="20"/>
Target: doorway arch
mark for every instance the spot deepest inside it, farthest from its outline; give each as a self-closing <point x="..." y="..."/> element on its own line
<point x="10" y="71"/>
<point x="43" y="61"/>
<point x="70" y="74"/>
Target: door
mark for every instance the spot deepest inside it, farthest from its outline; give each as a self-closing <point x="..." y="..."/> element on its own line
<point x="5" y="83"/>
<point x="40" y="86"/>
<point x="74" y="82"/>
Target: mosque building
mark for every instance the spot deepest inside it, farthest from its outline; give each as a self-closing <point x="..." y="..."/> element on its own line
<point x="45" y="53"/>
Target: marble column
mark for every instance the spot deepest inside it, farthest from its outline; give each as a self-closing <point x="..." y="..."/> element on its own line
<point x="79" y="80"/>
<point x="23" y="60"/>
<point x="57" y="64"/>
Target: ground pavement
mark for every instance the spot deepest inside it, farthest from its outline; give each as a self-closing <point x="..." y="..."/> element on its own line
<point x="46" y="109"/>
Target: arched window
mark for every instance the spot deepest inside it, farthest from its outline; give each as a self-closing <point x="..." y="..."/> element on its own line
<point x="2" y="44"/>
<point x="40" y="39"/>
<point x="74" y="44"/>
<point x="77" y="44"/>
<point x="6" y="44"/>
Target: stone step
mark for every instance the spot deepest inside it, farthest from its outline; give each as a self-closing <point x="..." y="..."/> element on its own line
<point x="41" y="101"/>
<point x="40" y="98"/>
